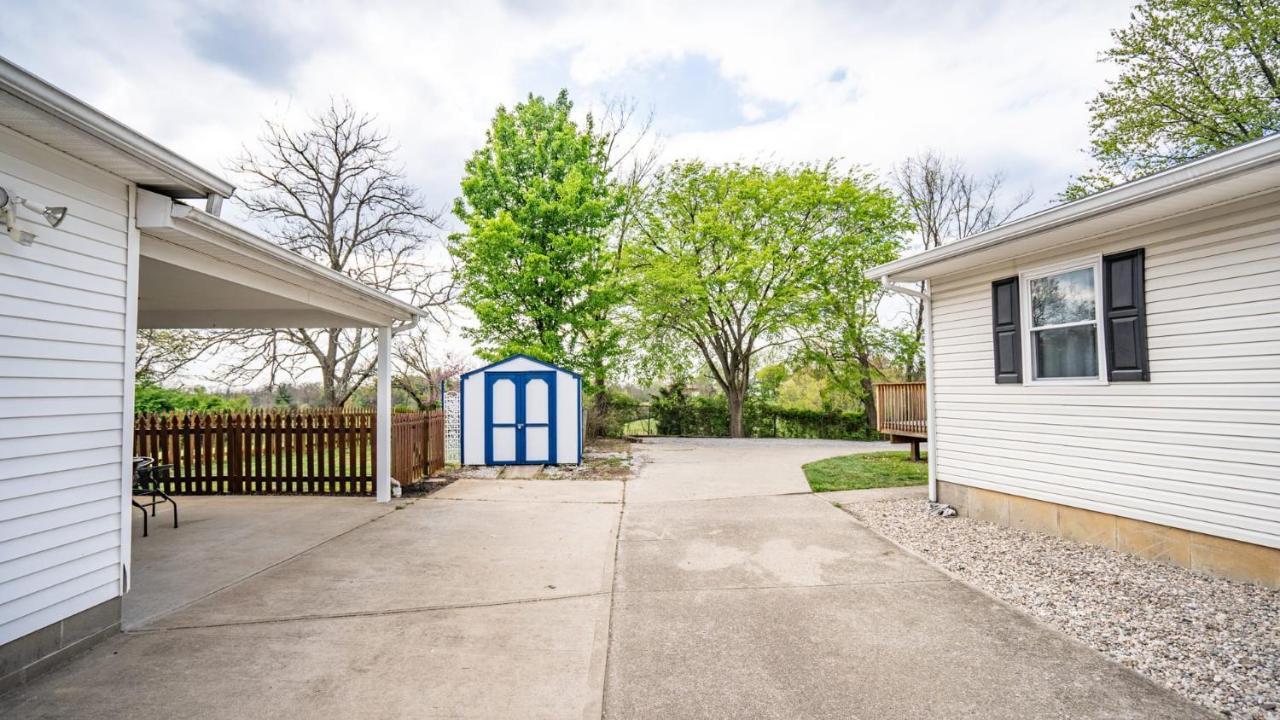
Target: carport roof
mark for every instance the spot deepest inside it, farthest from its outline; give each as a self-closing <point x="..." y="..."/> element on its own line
<point x="199" y="271"/>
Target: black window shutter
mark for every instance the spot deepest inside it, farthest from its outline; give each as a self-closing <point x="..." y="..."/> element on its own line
<point x="1124" y="316"/>
<point x="1006" y="336"/>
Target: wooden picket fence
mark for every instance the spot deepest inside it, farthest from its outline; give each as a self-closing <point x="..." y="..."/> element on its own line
<point x="312" y="452"/>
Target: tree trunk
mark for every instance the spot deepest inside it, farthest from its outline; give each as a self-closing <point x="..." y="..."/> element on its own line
<point x="735" y="396"/>
<point x="329" y="392"/>
<point x="868" y="392"/>
<point x="916" y="371"/>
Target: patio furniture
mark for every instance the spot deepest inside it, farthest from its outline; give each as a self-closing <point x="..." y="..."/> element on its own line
<point x="147" y="475"/>
<point x="902" y="414"/>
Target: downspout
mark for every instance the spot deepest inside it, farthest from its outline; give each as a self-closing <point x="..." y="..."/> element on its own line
<point x="406" y="325"/>
<point x="926" y="300"/>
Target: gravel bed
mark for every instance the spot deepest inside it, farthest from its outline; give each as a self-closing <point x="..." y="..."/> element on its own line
<point x="1215" y="641"/>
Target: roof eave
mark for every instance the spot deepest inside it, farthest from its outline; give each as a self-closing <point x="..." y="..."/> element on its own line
<point x="399" y="309"/>
<point x="198" y="182"/>
<point x="1218" y="166"/>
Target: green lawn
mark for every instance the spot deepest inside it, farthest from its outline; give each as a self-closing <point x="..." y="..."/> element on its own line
<point x="646" y="426"/>
<point x="865" y="471"/>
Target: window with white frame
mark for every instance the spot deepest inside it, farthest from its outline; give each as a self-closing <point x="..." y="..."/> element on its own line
<point x="1062" y="341"/>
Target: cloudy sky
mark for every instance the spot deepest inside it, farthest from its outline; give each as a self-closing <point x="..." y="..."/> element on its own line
<point x="1002" y="85"/>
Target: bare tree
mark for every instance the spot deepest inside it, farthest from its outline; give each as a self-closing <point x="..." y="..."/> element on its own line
<point x="632" y="150"/>
<point x="162" y="354"/>
<point x="419" y="370"/>
<point x="333" y="193"/>
<point x="947" y="202"/>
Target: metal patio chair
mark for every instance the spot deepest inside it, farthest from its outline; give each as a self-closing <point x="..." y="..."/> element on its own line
<point x="147" y="475"/>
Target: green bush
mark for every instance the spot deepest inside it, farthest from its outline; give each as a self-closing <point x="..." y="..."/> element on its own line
<point x="608" y="412"/>
<point x="676" y="412"/>
<point x="151" y="398"/>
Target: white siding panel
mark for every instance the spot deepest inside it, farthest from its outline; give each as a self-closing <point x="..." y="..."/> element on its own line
<point x="62" y="373"/>
<point x="1197" y="447"/>
<point x="12" y="327"/>
<point x="61" y="294"/>
<point x="33" y="485"/>
<point x="35" y="348"/>
<point x="29" y="388"/>
<point x="28" y="564"/>
<point x="17" y="306"/>
<point x="51" y="576"/>
<point x="43" y="597"/>
<point x="62" y="536"/>
<point x="60" y="276"/>
<point x="58" y="424"/>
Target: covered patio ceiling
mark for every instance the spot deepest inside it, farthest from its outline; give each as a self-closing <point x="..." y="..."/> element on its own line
<point x="199" y="271"/>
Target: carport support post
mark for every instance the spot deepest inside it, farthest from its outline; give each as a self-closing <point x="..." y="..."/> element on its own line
<point x="383" y="424"/>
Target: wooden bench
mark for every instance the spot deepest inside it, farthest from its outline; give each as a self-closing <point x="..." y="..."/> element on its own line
<point x="902" y="413"/>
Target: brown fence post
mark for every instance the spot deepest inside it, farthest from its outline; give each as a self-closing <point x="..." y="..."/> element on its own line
<point x="235" y="455"/>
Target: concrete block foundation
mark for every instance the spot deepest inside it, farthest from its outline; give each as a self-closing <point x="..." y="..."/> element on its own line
<point x="1208" y="554"/>
<point x="35" y="653"/>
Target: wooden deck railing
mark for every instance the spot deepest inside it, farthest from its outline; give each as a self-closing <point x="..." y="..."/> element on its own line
<point x="325" y="452"/>
<point x="901" y="410"/>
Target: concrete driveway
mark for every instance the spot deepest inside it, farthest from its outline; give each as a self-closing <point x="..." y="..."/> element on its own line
<point x="711" y="586"/>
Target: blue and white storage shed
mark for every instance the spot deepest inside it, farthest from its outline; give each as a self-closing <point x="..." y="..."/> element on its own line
<point x="521" y="411"/>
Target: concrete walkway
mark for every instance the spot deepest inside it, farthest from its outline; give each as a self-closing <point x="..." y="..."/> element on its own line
<point x="712" y="586"/>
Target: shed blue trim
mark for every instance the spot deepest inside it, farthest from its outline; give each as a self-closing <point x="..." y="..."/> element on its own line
<point x="518" y="356"/>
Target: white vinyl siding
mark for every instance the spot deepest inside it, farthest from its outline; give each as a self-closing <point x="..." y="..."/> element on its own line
<point x="1197" y="447"/>
<point x="62" y="386"/>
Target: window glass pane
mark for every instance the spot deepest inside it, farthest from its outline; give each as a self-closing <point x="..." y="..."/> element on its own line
<point x="1066" y="352"/>
<point x="1062" y="298"/>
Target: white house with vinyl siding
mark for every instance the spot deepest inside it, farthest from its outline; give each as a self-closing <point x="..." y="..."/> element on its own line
<point x="1109" y="369"/>
<point x="127" y="254"/>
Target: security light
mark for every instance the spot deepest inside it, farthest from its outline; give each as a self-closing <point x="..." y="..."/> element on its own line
<point x="9" y="212"/>
<point x="54" y="215"/>
<point x="51" y="215"/>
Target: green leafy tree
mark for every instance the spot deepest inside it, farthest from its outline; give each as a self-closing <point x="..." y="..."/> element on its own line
<point x="734" y="260"/>
<point x="848" y="337"/>
<point x="769" y="380"/>
<point x="1195" y="76"/>
<point x="284" y="397"/>
<point x="536" y="264"/>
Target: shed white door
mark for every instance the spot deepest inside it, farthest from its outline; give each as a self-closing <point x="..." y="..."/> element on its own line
<point x="520" y="418"/>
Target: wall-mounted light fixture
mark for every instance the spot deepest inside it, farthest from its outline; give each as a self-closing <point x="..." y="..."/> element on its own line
<point x="9" y="212"/>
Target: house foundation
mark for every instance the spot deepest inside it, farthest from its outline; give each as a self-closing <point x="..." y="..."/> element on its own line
<point x="38" y="652"/>
<point x="1222" y="557"/>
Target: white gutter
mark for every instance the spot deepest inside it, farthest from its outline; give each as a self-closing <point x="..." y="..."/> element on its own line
<point x="926" y="300"/>
<point x="59" y="104"/>
<point x="1218" y="166"/>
